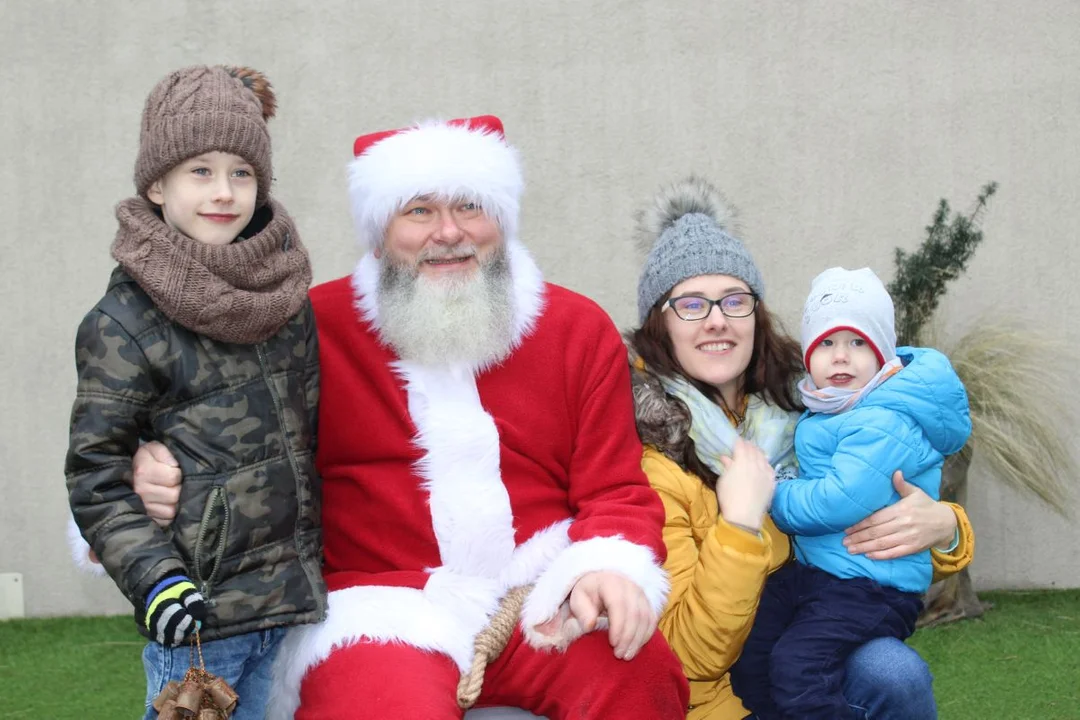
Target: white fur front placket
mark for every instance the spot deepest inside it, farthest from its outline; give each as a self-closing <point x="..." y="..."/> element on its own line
<point x="470" y="507"/>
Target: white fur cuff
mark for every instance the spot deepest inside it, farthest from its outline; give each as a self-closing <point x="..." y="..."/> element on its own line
<point x="612" y="554"/>
<point x="80" y="550"/>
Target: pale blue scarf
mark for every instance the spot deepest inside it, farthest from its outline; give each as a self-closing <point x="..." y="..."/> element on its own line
<point x="765" y="425"/>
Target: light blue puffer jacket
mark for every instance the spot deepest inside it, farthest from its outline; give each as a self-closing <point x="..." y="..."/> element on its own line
<point x="846" y="461"/>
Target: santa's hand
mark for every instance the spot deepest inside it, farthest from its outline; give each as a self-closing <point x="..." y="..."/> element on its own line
<point x="631" y="620"/>
<point x="156" y="480"/>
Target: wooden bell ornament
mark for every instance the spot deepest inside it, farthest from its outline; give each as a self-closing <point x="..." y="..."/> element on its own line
<point x="200" y="696"/>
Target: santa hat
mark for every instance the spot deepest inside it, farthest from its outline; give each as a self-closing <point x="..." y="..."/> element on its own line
<point x="853" y="300"/>
<point x="467" y="159"/>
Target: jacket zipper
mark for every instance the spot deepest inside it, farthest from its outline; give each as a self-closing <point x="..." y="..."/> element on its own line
<point x="206" y="584"/>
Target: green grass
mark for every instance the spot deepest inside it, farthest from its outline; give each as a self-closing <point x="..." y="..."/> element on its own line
<point x="1021" y="661"/>
<point x="68" y="668"/>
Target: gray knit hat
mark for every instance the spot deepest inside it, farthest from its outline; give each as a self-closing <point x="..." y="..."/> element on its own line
<point x="686" y="231"/>
<point x="201" y="109"/>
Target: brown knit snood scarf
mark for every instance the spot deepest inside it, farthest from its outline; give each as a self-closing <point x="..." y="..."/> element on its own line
<point x="243" y="292"/>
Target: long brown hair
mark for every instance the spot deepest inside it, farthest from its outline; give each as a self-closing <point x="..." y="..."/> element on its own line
<point x="775" y="366"/>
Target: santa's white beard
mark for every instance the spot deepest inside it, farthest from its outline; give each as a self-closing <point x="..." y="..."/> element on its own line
<point x="446" y="320"/>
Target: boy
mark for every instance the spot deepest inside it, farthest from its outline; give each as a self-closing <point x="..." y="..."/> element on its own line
<point x="872" y="408"/>
<point x="205" y="341"/>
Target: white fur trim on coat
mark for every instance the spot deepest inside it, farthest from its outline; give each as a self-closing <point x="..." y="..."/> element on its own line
<point x="613" y="554"/>
<point x="379" y="614"/>
<point x="470" y="508"/>
<point x="80" y="550"/>
<point x="434" y="158"/>
<point x="443" y="617"/>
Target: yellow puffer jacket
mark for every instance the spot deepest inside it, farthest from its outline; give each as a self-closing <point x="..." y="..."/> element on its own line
<point x="717" y="574"/>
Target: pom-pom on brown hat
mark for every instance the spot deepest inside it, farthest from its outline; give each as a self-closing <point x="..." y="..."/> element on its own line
<point x="201" y="109"/>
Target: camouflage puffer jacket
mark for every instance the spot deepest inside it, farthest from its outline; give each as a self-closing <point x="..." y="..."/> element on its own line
<point x="240" y="419"/>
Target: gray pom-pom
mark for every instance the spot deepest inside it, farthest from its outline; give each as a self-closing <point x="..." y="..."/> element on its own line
<point x="692" y="195"/>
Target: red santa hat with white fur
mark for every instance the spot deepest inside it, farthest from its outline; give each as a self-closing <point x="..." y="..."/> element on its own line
<point x="467" y="158"/>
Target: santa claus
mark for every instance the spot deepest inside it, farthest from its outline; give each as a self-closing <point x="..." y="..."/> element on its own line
<point x="476" y="438"/>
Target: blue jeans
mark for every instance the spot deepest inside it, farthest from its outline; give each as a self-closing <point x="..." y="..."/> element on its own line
<point x="243" y="661"/>
<point x="887" y="680"/>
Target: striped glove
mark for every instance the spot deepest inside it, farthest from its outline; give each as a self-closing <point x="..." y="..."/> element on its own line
<point x="174" y="609"/>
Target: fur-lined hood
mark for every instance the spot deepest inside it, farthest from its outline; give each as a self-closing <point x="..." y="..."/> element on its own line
<point x="662" y="421"/>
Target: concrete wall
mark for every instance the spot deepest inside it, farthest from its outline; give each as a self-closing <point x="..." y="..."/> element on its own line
<point x="834" y="126"/>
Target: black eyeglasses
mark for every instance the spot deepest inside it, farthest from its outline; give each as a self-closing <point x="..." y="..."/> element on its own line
<point x="694" y="307"/>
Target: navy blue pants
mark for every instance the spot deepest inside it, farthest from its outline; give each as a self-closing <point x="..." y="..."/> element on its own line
<point x="807" y="624"/>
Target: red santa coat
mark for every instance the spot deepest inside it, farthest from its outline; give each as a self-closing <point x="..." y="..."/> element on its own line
<point x="445" y="487"/>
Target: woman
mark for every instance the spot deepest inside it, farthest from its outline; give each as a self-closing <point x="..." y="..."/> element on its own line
<point x="714" y="387"/>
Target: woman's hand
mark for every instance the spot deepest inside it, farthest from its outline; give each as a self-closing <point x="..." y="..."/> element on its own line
<point x="746" y="488"/>
<point x="912" y="524"/>
<point x="156" y="480"/>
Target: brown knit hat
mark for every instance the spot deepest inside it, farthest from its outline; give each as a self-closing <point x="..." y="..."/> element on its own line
<point x="201" y="109"/>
